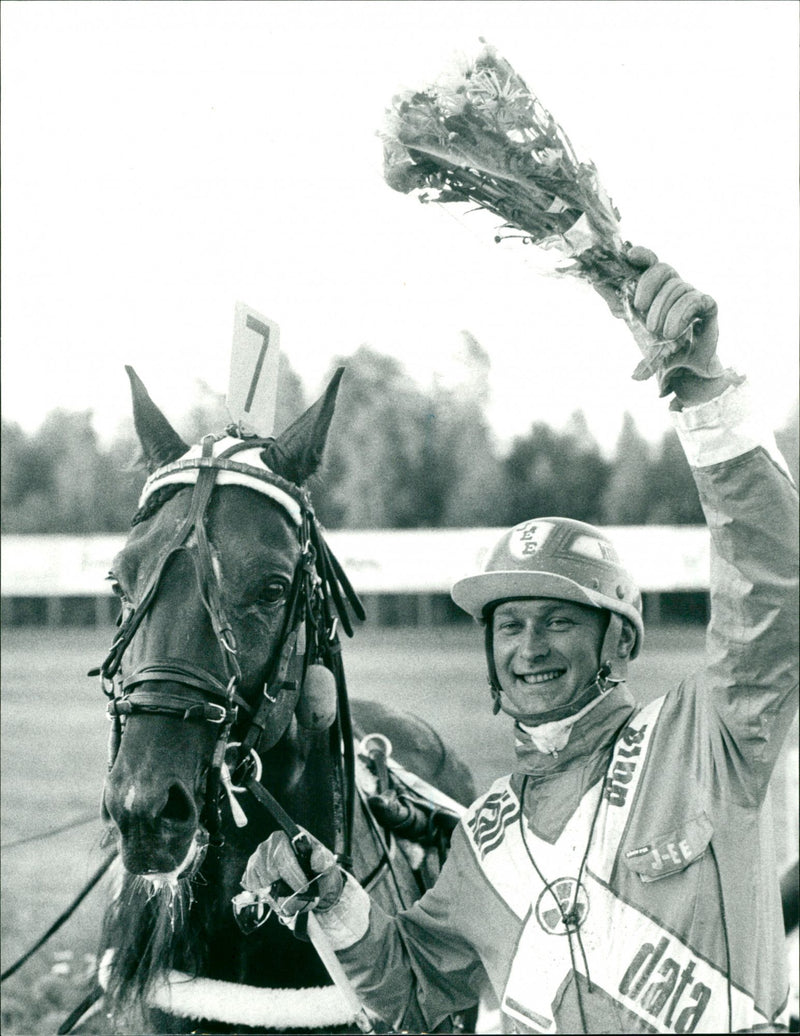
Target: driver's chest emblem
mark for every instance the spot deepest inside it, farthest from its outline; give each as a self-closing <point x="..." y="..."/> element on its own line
<point x="562" y="907"/>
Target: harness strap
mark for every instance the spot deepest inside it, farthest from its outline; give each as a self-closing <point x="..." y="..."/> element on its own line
<point x="275" y="809"/>
<point x="200" y="497"/>
<point x="183" y="707"/>
<point x="276" y="681"/>
<point x="204" y="564"/>
<point x="292" y="498"/>
<point x="334" y="578"/>
<point x="179" y="672"/>
<point x="346" y="772"/>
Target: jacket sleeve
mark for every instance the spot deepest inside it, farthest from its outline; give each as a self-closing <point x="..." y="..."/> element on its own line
<point x="415" y="969"/>
<point x="749" y="684"/>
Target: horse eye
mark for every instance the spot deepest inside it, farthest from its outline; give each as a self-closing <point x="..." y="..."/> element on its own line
<point x="274" y="590"/>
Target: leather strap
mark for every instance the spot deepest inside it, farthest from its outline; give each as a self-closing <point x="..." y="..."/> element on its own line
<point x="178" y="705"/>
<point x="177" y="671"/>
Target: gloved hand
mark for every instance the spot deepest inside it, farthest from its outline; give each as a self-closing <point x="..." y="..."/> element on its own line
<point x="674" y="325"/>
<point x="275" y="871"/>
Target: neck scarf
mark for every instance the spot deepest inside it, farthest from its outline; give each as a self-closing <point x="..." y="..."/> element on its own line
<point x="555" y="746"/>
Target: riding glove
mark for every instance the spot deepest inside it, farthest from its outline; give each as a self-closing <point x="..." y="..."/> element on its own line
<point x="674" y="324"/>
<point x="275" y="861"/>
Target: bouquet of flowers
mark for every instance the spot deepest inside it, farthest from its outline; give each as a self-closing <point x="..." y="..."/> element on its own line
<point x="479" y="135"/>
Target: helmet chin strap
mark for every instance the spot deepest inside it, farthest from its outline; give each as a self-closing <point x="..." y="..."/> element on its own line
<point x="609" y="650"/>
<point x="551" y="737"/>
<point x="597" y="688"/>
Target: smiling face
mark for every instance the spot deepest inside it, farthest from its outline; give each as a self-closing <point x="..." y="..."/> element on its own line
<point x="546" y="652"/>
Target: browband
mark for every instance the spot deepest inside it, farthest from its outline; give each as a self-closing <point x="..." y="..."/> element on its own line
<point x="250" y="472"/>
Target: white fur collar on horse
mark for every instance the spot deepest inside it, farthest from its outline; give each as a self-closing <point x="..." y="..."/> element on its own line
<point x="313" y="1007"/>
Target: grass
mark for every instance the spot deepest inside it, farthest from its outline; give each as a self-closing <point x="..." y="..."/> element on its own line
<point x="54" y="761"/>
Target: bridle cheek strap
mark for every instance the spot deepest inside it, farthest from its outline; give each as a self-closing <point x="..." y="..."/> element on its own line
<point x="203" y="564"/>
<point x="188" y="705"/>
<point x="279" y="695"/>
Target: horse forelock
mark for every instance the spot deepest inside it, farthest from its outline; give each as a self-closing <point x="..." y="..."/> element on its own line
<point x="154" y="503"/>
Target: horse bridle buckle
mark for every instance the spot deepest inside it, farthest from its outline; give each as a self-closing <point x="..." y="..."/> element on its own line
<point x="221" y="716"/>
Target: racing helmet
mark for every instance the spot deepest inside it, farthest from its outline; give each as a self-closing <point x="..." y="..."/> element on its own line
<point x="561" y="558"/>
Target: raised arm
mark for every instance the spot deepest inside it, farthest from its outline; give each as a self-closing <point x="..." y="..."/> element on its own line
<point x="750" y="503"/>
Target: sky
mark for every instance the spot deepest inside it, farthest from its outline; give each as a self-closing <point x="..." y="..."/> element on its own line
<point x="163" y="160"/>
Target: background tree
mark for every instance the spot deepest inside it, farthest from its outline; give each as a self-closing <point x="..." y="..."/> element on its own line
<point x="464" y="470"/>
<point x="373" y="472"/>
<point x="626" y="499"/>
<point x="19" y="478"/>
<point x="60" y="479"/>
<point x="53" y="484"/>
<point x="554" y="473"/>
<point x="398" y="456"/>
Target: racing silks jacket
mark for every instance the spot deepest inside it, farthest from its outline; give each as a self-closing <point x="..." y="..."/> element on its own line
<point x="654" y="905"/>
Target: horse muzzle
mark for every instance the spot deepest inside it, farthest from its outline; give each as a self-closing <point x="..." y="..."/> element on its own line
<point x="158" y="825"/>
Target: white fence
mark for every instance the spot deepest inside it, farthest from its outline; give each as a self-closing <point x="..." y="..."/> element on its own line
<point x="662" y="559"/>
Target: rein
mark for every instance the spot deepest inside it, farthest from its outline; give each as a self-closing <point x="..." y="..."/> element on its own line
<point x="319" y="589"/>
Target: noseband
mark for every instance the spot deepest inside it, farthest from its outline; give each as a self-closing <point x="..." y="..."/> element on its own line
<point x="319" y="588"/>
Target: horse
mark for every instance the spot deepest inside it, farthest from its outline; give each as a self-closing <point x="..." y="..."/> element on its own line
<point x="229" y="711"/>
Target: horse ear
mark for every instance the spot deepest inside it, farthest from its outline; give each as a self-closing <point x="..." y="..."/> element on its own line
<point x="159" y="440"/>
<point x="297" y="452"/>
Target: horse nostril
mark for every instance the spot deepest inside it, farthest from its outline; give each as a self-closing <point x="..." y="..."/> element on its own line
<point x="178" y="806"/>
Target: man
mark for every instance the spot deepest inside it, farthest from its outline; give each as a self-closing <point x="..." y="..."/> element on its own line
<point x="622" y="879"/>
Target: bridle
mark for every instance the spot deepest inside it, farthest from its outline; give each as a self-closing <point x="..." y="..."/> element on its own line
<point x="319" y="589"/>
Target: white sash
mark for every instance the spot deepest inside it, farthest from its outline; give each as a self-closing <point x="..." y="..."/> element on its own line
<point x="640" y="965"/>
<point x="665" y="984"/>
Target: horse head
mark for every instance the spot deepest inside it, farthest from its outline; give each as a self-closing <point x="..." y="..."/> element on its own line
<point x="207" y="580"/>
<point x="221" y="667"/>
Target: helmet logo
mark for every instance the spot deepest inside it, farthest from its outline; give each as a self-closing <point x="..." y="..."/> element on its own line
<point x="527" y="538"/>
